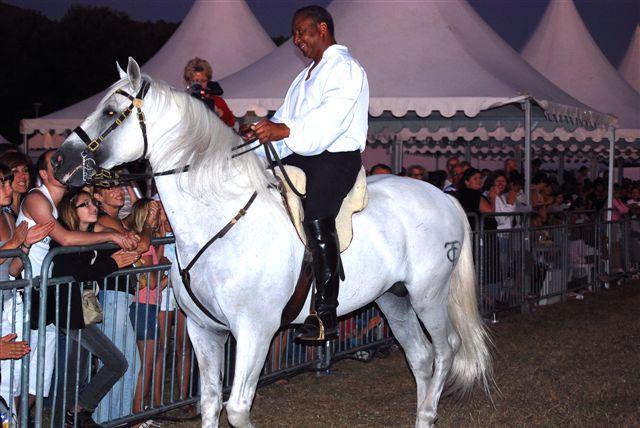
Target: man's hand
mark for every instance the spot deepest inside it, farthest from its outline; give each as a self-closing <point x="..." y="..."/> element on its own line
<point x="38" y="232"/>
<point x="267" y="131"/>
<point x="127" y="241"/>
<point x="246" y="132"/>
<point x="12" y="350"/>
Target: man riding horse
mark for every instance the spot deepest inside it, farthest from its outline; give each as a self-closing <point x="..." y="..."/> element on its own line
<point x="322" y="129"/>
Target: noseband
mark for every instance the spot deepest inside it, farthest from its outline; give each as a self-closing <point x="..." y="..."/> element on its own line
<point x="90" y="171"/>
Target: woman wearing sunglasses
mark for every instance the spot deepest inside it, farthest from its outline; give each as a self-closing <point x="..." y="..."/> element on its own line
<point x="79" y="212"/>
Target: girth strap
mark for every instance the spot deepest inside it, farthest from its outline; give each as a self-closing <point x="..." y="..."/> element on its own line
<point x="184" y="273"/>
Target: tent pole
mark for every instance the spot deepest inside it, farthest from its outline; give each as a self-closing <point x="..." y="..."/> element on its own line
<point x="561" y="168"/>
<point x="25" y="144"/>
<point x="527" y="152"/>
<point x="612" y="139"/>
<point x="467" y="151"/>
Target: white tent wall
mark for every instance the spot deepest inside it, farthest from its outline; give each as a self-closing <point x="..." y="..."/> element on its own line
<point x="207" y="23"/>
<point x="630" y="65"/>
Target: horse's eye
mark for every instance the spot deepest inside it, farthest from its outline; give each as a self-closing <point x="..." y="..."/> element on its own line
<point x="109" y="112"/>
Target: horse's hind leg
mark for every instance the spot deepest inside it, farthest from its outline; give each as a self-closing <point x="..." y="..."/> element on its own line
<point x="434" y="316"/>
<point x="209" y="347"/>
<point x="408" y="332"/>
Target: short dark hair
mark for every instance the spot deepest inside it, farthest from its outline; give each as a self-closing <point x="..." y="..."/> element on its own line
<point x="14" y="159"/>
<point x="318" y="15"/>
<point x="42" y="160"/>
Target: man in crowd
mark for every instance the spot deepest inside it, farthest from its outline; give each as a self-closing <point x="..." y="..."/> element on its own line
<point x="417" y="172"/>
<point x="321" y="128"/>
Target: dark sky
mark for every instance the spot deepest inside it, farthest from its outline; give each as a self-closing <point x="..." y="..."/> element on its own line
<point x="611" y="22"/>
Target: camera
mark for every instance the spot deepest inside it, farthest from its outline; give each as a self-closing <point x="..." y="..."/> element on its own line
<point x="202" y="92"/>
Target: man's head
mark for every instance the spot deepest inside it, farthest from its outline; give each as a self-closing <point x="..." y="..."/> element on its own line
<point x="510" y="165"/>
<point x="417" y="172"/>
<point x="451" y="162"/>
<point x="45" y="169"/>
<point x="380" y="169"/>
<point x="197" y="71"/>
<point x="312" y="29"/>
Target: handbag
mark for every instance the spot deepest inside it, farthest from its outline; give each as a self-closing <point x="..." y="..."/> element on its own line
<point x="91" y="307"/>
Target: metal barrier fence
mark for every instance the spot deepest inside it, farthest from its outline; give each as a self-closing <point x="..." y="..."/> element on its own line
<point x="15" y="302"/>
<point x="516" y="267"/>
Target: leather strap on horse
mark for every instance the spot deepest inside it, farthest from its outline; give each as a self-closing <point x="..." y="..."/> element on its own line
<point x="136" y="102"/>
<point x="270" y="150"/>
<point x="184" y="273"/>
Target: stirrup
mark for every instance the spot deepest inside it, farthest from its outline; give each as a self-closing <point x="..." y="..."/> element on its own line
<point x="313" y="330"/>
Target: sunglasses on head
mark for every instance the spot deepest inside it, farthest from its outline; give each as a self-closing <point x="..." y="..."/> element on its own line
<point x="8" y="177"/>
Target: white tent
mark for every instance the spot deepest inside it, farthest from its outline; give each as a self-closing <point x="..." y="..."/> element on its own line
<point x="436" y="70"/>
<point x="562" y="49"/>
<point x="630" y="66"/>
<point x="421" y="58"/>
<point x="4" y="140"/>
<point x="226" y="33"/>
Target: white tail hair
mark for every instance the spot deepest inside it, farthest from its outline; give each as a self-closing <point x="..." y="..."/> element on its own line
<point x="472" y="362"/>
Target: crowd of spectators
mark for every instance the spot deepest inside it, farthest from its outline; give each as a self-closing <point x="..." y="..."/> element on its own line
<point x="571" y="200"/>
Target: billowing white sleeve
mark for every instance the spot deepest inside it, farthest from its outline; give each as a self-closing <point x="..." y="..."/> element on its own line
<point x="313" y="132"/>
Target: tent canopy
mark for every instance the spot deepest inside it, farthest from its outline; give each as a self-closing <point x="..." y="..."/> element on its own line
<point x="226" y="33"/>
<point x="630" y="65"/>
<point x="562" y="50"/>
<point x="430" y="65"/>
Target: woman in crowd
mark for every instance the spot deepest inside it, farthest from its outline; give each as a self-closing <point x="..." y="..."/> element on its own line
<point x="144" y="309"/>
<point x="12" y="237"/>
<point x="79" y="212"/>
<point x="116" y="298"/>
<point x="182" y="344"/>
<point x="469" y="193"/>
<point x="19" y="164"/>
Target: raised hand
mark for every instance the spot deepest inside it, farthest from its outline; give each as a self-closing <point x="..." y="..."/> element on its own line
<point x="125" y="258"/>
<point x="12" y="350"/>
<point x="153" y="215"/>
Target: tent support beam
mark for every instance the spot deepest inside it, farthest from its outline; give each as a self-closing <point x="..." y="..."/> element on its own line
<point x="612" y="140"/>
<point x="527" y="151"/>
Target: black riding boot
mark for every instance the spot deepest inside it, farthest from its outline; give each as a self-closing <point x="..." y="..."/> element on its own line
<point x="322" y="239"/>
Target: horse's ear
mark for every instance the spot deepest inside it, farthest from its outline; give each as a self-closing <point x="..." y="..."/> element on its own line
<point x="133" y="71"/>
<point x="121" y="72"/>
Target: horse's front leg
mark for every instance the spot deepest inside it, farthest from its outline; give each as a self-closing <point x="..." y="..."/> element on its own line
<point x="209" y="347"/>
<point x="251" y="351"/>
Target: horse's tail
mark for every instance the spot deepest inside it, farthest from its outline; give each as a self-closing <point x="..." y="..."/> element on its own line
<point x="472" y="363"/>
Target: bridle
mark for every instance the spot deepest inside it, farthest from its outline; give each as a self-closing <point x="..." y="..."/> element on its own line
<point x="90" y="171"/>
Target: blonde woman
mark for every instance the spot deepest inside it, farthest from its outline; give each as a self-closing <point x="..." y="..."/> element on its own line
<point x="143" y="312"/>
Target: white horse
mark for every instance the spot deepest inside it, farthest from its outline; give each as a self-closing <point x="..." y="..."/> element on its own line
<point x="410" y="233"/>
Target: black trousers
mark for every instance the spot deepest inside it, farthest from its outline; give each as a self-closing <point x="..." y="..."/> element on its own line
<point x="330" y="177"/>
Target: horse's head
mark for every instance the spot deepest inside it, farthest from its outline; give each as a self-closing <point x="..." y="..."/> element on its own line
<point x="108" y="136"/>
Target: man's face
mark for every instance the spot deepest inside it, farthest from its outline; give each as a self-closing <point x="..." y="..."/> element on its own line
<point x="307" y="37"/>
<point x="49" y="177"/>
<point x="379" y="170"/>
<point x="510" y="165"/>
<point x="458" y="170"/>
<point x="416" y="173"/>
<point x="451" y="163"/>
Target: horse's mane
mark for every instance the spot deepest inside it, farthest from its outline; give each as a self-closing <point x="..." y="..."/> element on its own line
<point x="204" y="142"/>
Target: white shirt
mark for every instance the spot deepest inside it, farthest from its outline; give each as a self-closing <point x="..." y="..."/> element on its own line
<point x="39" y="249"/>
<point x="329" y="111"/>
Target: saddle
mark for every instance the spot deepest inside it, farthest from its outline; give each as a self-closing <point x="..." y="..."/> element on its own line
<point x="355" y="201"/>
